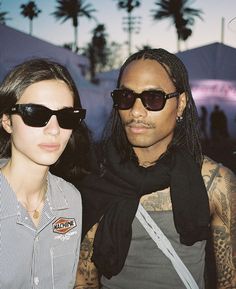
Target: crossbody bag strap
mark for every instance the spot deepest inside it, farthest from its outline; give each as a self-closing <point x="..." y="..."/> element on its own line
<point x="165" y="246"/>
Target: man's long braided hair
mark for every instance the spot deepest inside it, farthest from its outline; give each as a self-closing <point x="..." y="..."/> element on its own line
<point x="186" y="132"/>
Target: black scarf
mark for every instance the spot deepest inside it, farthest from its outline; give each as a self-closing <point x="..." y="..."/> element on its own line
<point x="112" y="195"/>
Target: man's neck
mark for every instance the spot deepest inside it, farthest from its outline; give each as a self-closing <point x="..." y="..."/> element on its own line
<point x="147" y="157"/>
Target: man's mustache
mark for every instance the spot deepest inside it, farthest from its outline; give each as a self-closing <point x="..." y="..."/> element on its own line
<point x="133" y="122"/>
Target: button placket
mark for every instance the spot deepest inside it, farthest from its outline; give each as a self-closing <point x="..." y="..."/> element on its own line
<point x="35" y="261"/>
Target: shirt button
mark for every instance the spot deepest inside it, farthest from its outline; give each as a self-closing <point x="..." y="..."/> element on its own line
<point x="36" y="281"/>
<point x="37" y="238"/>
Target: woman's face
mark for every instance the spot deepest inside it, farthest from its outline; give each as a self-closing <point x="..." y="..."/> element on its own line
<point x="40" y="145"/>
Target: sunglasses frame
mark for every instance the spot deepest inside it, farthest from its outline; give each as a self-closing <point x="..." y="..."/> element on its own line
<point x="24" y="110"/>
<point x="141" y="96"/>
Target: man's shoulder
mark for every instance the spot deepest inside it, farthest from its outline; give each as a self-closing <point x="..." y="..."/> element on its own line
<point x="213" y="170"/>
<point x="209" y="164"/>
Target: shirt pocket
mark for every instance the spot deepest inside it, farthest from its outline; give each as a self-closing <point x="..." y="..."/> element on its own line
<point x="64" y="259"/>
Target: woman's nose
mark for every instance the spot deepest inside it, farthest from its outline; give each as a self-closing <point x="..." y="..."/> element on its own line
<point x="52" y="126"/>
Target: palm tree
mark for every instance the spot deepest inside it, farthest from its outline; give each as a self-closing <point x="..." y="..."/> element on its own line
<point x="31" y="11"/>
<point x="129" y="6"/>
<point x="181" y="14"/>
<point x="3" y="17"/>
<point x="73" y="9"/>
<point x="97" y="51"/>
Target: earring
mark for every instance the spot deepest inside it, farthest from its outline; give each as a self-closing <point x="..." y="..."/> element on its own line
<point x="179" y="119"/>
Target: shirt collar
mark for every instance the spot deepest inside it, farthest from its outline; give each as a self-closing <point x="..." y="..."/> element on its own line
<point x="56" y="196"/>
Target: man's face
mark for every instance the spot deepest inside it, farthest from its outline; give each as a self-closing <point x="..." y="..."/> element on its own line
<point x="149" y="130"/>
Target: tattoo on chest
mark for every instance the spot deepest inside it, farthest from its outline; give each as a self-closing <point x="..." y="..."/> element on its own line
<point x="158" y="201"/>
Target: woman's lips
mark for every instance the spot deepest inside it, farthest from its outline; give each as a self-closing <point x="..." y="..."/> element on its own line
<point x="49" y="147"/>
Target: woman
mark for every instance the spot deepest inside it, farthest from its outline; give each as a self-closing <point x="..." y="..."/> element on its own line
<point x="40" y="215"/>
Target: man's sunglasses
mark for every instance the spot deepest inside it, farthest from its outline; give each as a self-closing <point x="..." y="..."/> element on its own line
<point x="37" y="115"/>
<point x="153" y="100"/>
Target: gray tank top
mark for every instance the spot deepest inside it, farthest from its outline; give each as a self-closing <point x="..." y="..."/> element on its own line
<point x="146" y="267"/>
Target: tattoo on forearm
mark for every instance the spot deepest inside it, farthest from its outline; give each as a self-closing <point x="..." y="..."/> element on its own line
<point x="230" y="180"/>
<point x="90" y="274"/>
<point x="223" y="257"/>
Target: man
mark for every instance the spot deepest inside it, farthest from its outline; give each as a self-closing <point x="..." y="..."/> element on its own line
<point x="152" y="166"/>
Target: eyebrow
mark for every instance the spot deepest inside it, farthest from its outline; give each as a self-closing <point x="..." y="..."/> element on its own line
<point x="149" y="89"/>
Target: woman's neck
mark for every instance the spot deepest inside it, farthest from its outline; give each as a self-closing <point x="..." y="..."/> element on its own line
<point x="29" y="185"/>
<point x="26" y="182"/>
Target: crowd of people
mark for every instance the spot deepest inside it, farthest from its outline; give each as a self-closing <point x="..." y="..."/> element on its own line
<point x="143" y="208"/>
<point x="215" y="138"/>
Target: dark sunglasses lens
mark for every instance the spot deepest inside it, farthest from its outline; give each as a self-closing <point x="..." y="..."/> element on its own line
<point x="69" y="118"/>
<point x="35" y="115"/>
<point x="154" y="100"/>
<point x="123" y="99"/>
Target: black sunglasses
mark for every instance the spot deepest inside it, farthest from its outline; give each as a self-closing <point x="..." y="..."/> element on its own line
<point x="37" y="115"/>
<point x="153" y="100"/>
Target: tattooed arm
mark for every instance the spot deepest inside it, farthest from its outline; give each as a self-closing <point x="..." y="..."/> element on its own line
<point x="87" y="275"/>
<point x="222" y="196"/>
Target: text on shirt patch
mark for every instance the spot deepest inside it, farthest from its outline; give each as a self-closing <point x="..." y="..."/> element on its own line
<point x="66" y="236"/>
<point x="63" y="225"/>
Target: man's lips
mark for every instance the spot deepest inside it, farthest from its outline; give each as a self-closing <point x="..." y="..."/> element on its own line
<point x="138" y="127"/>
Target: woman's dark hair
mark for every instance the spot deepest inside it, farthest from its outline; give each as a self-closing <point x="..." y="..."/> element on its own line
<point x="186" y="132"/>
<point x="73" y="162"/>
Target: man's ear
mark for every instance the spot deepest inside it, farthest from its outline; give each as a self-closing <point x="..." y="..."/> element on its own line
<point x="182" y="101"/>
<point x="6" y="123"/>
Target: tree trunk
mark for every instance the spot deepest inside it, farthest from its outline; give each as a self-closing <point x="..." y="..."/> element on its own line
<point x="178" y="43"/>
<point x="75" y="45"/>
<point x="30" y="26"/>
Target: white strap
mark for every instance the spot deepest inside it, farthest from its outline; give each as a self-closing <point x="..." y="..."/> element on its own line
<point x="165" y="246"/>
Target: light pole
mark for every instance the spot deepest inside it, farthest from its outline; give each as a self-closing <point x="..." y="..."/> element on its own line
<point x="131" y="24"/>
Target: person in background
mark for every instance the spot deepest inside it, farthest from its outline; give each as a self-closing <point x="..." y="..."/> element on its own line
<point x="203" y="123"/>
<point x="218" y="124"/>
<point x="41" y="120"/>
<point x="154" y="199"/>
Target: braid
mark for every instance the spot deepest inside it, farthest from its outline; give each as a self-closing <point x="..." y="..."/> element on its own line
<point x="186" y="133"/>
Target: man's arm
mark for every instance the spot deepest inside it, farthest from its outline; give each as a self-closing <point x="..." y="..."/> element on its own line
<point x="222" y="197"/>
<point x="87" y="275"/>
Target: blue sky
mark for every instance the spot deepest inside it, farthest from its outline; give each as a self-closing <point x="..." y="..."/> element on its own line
<point x="157" y="34"/>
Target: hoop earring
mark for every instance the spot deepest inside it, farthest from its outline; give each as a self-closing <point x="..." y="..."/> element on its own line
<point x="179" y="119"/>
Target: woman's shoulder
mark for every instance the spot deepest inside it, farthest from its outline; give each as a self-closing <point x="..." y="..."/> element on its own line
<point x="65" y="186"/>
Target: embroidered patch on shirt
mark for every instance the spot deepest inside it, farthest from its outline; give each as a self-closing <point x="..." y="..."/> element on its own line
<point x="63" y="225"/>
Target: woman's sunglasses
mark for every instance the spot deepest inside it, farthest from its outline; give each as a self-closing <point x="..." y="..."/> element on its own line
<point x="37" y="115"/>
<point x="153" y="100"/>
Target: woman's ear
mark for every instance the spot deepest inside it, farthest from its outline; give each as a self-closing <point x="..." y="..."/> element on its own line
<point x="6" y="123"/>
<point x="182" y="101"/>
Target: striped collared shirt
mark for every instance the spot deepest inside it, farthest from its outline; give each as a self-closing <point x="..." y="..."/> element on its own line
<point x="46" y="256"/>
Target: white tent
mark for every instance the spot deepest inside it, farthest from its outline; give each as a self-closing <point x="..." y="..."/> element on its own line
<point x="15" y="47"/>
<point x="213" y="61"/>
<point x="212" y="74"/>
